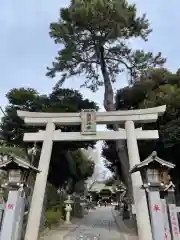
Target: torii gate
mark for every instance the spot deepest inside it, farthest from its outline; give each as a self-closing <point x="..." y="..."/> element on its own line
<point x="88" y="120"/>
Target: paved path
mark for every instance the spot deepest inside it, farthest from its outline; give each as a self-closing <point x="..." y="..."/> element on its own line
<point x="126" y="227"/>
<point x="99" y="224"/>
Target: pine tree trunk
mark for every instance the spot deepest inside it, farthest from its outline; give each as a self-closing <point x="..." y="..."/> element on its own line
<point x="109" y="105"/>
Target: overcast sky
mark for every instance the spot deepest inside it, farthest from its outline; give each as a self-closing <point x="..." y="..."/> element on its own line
<point x="26" y="48"/>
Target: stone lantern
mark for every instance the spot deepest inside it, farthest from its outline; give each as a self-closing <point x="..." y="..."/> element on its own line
<point x="68" y="209"/>
<point x="83" y="205"/>
<point x="154" y="172"/>
<point x="155" y="176"/>
<point x="18" y="172"/>
<point x="120" y="191"/>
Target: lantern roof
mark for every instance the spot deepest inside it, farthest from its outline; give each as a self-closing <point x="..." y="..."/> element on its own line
<point x="12" y="160"/>
<point x="68" y="201"/>
<point x="170" y="187"/>
<point x="153" y="158"/>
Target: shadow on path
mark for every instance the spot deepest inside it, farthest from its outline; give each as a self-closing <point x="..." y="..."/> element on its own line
<point x="127" y="227"/>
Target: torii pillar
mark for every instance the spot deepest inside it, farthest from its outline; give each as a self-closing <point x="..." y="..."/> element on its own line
<point x="32" y="229"/>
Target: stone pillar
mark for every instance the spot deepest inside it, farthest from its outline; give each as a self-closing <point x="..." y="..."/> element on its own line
<point x="14" y="212"/>
<point x="20" y="217"/>
<point x="173" y="218"/>
<point x="35" y="211"/>
<point x="68" y="210"/>
<point x="174" y="224"/>
<point x="170" y="197"/>
<point x="167" y="233"/>
<point x="140" y="201"/>
<point x="157" y="216"/>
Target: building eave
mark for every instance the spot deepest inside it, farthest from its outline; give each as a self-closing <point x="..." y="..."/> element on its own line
<point x="152" y="158"/>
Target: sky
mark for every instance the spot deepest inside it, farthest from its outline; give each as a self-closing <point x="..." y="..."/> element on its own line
<point x="26" y="48"/>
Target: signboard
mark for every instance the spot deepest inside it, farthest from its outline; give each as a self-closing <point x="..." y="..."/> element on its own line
<point x="174" y="225"/>
<point x="88" y="125"/>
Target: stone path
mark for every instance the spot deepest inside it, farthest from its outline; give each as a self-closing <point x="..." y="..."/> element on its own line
<point x="126" y="227"/>
<point x="99" y="224"/>
<point x="58" y="233"/>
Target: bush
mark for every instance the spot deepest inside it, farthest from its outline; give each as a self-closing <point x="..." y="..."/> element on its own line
<point x="52" y="218"/>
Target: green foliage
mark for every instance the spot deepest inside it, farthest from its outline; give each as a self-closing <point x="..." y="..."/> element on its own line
<point x="94" y="36"/>
<point x="81" y="168"/>
<point x="82" y="164"/>
<point x="19" y="152"/>
<point x="63" y="159"/>
<point x="161" y="87"/>
<point x="29" y="98"/>
<point x="52" y="197"/>
<point x="111" y="157"/>
<point x="60" y="100"/>
<point x="52" y="218"/>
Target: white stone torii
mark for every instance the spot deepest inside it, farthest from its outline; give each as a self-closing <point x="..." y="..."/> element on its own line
<point x="50" y="120"/>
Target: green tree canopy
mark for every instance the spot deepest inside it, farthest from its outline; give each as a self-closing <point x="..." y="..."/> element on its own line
<point x="66" y="160"/>
<point x="161" y="87"/>
<point x="93" y="34"/>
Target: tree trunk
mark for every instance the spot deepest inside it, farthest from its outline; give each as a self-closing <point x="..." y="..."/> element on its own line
<point x="109" y="105"/>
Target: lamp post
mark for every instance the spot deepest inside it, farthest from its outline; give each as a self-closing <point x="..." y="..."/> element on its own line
<point x="18" y="172"/>
<point x="152" y="171"/>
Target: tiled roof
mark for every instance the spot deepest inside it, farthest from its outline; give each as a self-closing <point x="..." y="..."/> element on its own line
<point x="19" y="161"/>
<point x="152" y="158"/>
<point x="99" y="186"/>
